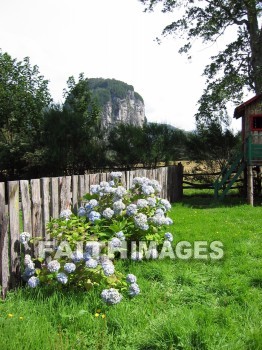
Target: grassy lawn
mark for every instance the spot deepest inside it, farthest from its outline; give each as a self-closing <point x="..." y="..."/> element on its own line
<point x="184" y="304"/>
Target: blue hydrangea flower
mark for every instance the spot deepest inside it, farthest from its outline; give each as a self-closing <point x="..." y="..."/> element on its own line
<point x="130" y="278"/>
<point x="91" y="263"/>
<point x="69" y="267"/>
<point x="121" y="235"/>
<point x="169" y="236"/>
<point x="141" y="221"/>
<point x="62" y="278"/>
<point x="81" y="211"/>
<point x="111" y="183"/>
<point x="28" y="272"/>
<point x="111" y="296"/>
<point x="93" y="216"/>
<point x="131" y="210"/>
<point x="142" y="203"/>
<point x="118" y="206"/>
<point x="94" y="189"/>
<point x="53" y="266"/>
<point x="33" y="282"/>
<point x="115" y="243"/>
<point x="108" y="213"/>
<point x="133" y="290"/>
<point x="77" y="256"/>
<point x="147" y="189"/>
<point x="24" y="237"/>
<point x="91" y="205"/>
<point x="108" y="268"/>
<point x="65" y="214"/>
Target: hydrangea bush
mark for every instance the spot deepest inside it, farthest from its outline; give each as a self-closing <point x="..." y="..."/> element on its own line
<point x="86" y="244"/>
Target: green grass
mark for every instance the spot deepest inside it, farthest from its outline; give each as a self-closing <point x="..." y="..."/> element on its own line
<point x="185" y="305"/>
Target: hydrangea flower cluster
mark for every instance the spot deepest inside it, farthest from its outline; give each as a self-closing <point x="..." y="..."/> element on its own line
<point x="24" y="237"/>
<point x="109" y="218"/>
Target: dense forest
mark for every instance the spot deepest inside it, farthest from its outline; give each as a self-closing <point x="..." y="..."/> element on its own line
<point x="39" y="138"/>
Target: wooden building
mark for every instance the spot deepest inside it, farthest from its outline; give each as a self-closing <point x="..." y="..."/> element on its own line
<point x="251" y="114"/>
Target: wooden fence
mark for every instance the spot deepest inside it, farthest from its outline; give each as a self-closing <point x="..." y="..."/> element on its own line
<point x="38" y="200"/>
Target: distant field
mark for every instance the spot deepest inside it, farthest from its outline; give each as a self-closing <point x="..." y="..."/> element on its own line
<point x="184" y="305"/>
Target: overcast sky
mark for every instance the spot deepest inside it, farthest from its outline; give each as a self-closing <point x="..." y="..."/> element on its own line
<point x="108" y="39"/>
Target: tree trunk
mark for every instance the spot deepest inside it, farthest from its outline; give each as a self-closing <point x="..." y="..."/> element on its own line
<point x="255" y="37"/>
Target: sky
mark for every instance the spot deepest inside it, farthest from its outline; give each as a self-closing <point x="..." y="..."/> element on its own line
<point x="109" y="39"/>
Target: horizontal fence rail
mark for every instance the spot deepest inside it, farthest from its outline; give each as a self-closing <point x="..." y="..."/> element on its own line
<point x="28" y="205"/>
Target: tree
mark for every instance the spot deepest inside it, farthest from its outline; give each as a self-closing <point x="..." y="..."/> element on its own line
<point x="212" y="147"/>
<point x="24" y="95"/>
<point x="125" y="145"/>
<point x="240" y="61"/>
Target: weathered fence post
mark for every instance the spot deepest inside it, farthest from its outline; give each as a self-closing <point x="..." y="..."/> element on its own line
<point x="14" y="227"/>
<point x="175" y="183"/>
<point x="4" y="244"/>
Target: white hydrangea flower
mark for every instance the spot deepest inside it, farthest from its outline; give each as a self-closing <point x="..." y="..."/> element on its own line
<point x="111" y="296"/>
<point x="118" y="206"/>
<point x="147" y="189"/>
<point x="130" y="278"/>
<point x="121" y="235"/>
<point x="108" y="213"/>
<point x="53" y="266"/>
<point x="133" y="290"/>
<point x="115" y="174"/>
<point x="91" y="263"/>
<point x="142" y="203"/>
<point x="24" y="237"/>
<point x="65" y="214"/>
<point x="141" y="221"/>
<point x="151" y="201"/>
<point x="108" y="268"/>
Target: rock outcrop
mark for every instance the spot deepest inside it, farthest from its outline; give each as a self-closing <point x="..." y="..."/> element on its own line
<point x="118" y="101"/>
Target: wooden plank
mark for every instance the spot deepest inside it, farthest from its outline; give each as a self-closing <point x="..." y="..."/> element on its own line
<point x="36" y="208"/>
<point x="127" y="180"/>
<point x="81" y="182"/>
<point x="45" y="192"/>
<point x="75" y="193"/>
<point x="26" y="206"/>
<point x="54" y="197"/>
<point x="4" y="256"/>
<point x="65" y="193"/>
<point x="13" y="202"/>
<point x="87" y="182"/>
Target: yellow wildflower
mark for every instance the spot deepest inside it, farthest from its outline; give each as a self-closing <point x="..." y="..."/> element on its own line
<point x="103" y="316"/>
<point x="96" y="314"/>
<point x="10" y="315"/>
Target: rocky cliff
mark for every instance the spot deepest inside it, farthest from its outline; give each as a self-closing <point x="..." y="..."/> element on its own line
<point x="118" y="101"/>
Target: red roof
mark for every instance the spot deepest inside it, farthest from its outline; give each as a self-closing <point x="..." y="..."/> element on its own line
<point x="240" y="110"/>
